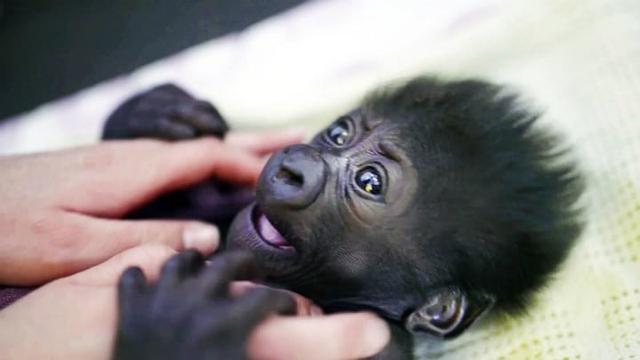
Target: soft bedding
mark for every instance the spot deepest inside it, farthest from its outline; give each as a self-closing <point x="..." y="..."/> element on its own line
<point x="577" y="60"/>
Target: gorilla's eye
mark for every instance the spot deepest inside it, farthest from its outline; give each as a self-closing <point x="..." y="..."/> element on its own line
<point x="369" y="180"/>
<point x="339" y="132"/>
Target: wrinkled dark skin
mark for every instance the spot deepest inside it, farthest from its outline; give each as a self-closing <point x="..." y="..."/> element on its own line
<point x="167" y="112"/>
<point x="188" y="313"/>
<point x="471" y="210"/>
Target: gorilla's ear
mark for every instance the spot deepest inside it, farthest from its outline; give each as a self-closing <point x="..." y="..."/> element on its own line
<point x="448" y="312"/>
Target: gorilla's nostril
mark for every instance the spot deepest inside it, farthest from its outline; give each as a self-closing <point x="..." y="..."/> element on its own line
<point x="289" y="177"/>
<point x="293" y="178"/>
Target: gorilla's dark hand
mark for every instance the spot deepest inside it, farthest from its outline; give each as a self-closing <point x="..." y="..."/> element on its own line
<point x="189" y="313"/>
<point x="165" y="112"/>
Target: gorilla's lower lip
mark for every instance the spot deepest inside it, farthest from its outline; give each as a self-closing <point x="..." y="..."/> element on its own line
<point x="267" y="233"/>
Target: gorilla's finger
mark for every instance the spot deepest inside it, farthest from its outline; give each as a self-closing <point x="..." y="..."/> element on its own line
<point x="132" y="281"/>
<point x="246" y="313"/>
<point x="179" y="267"/>
<point x="168" y="129"/>
<point x="172" y="90"/>
<point x="203" y="122"/>
<point x="202" y="117"/>
<point x="304" y="306"/>
<point x="226" y="268"/>
<point x="260" y="302"/>
<point x="131" y="285"/>
<point x="208" y="107"/>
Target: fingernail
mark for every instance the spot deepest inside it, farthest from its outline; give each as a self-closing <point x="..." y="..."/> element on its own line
<point x="202" y="237"/>
<point x="376" y="334"/>
<point x="315" y="310"/>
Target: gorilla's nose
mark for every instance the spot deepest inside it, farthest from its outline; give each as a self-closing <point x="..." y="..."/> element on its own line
<point x="293" y="177"/>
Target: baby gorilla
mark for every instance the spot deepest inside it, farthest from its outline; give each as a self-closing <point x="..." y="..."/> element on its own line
<point x="430" y="204"/>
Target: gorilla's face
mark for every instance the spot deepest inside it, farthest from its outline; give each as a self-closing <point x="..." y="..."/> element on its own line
<point x="332" y="217"/>
<point x="429" y="204"/>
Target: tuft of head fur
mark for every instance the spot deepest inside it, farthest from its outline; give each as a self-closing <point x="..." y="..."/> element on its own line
<point x="497" y="192"/>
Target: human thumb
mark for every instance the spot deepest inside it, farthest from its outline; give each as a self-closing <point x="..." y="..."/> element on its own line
<point x="178" y="235"/>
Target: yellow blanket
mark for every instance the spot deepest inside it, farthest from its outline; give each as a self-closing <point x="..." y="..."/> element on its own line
<point x="579" y="60"/>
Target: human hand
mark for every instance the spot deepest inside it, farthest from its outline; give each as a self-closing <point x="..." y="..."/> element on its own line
<point x="59" y="210"/>
<point x="75" y="318"/>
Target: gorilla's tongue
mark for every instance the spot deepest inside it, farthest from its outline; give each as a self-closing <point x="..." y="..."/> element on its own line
<point x="270" y="234"/>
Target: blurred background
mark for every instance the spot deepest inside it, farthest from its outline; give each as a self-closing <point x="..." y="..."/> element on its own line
<point x="64" y="65"/>
<point x="59" y="47"/>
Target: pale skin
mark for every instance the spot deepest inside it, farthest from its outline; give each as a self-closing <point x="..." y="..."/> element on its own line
<point x="61" y="209"/>
<point x="59" y="220"/>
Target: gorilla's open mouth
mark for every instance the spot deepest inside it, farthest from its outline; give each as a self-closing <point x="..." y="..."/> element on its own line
<point x="267" y="232"/>
<point x="252" y="231"/>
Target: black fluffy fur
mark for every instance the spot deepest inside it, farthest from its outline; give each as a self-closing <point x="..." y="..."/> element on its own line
<point x="502" y="212"/>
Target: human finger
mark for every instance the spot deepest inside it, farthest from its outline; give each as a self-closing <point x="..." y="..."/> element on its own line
<point x="340" y="336"/>
<point x="116" y="178"/>
<point x="113" y="236"/>
<point x="96" y="240"/>
<point x="179" y="267"/>
<point x="148" y="258"/>
<point x="265" y="142"/>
